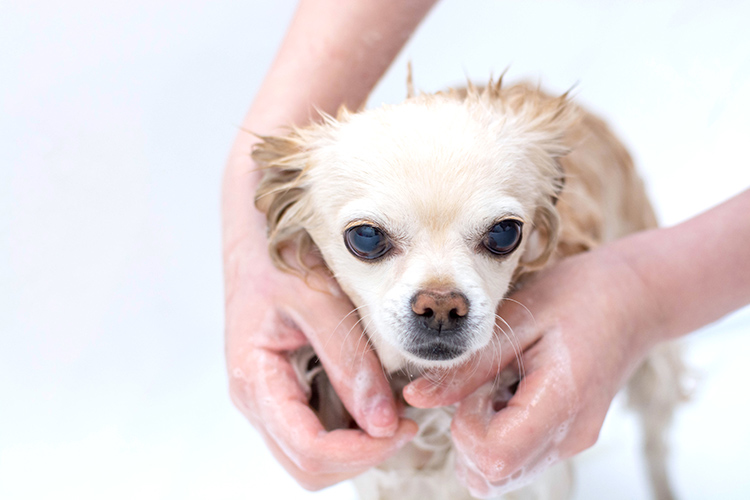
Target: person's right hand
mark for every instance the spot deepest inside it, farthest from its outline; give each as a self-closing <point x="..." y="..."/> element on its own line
<point x="270" y="313"/>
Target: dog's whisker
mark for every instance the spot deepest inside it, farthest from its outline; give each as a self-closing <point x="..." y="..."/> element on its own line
<point x="497" y="352"/>
<point x="353" y="327"/>
<point x="353" y="311"/>
<point x="531" y="315"/>
<point x="362" y="336"/>
<point x="491" y="347"/>
<point x="433" y="376"/>
<point x="368" y="348"/>
<point x="509" y="335"/>
<point x="515" y="344"/>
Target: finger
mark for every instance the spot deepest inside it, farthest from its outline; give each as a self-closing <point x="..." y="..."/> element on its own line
<point x="294" y="427"/>
<point x="471" y="479"/>
<point x="522" y="438"/>
<point x="309" y="480"/>
<point x="480" y="487"/>
<point x="333" y="328"/>
<point x="448" y="388"/>
<point x="514" y="331"/>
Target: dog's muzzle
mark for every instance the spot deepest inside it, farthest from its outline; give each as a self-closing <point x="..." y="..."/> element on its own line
<point x="438" y="324"/>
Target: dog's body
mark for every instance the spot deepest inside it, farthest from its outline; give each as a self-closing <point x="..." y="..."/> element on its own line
<point x="428" y="213"/>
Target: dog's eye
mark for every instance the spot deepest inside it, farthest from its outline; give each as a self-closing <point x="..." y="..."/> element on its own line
<point x="366" y="242"/>
<point x="504" y="237"/>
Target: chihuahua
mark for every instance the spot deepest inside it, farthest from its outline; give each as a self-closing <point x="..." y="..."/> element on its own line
<point x="428" y="213"/>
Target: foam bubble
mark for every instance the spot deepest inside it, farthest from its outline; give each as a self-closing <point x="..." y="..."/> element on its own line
<point x="562" y="432"/>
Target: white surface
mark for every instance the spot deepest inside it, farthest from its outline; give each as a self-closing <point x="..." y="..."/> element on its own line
<point x="114" y="125"/>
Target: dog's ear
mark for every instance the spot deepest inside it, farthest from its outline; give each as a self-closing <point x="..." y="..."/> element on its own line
<point x="543" y="123"/>
<point x="543" y="238"/>
<point x="281" y="196"/>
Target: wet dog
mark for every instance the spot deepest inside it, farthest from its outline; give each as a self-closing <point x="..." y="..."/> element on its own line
<point x="428" y="213"/>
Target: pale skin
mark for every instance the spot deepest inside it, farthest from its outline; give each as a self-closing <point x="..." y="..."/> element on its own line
<point x="333" y="54"/>
<point x="604" y="309"/>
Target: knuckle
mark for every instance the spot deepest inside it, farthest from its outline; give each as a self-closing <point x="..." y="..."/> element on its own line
<point x="590" y="438"/>
<point x="241" y="395"/>
<point x="309" y="464"/>
<point x="238" y="397"/>
<point x="238" y="384"/>
<point x="495" y="466"/>
<point x="312" y="482"/>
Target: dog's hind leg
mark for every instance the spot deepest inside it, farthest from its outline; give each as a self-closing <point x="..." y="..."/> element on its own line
<point x="654" y="392"/>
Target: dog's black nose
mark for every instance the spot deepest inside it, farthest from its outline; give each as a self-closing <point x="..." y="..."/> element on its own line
<point x="440" y="310"/>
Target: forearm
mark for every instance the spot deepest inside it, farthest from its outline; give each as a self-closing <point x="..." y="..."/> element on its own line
<point x="696" y="272"/>
<point x="333" y="54"/>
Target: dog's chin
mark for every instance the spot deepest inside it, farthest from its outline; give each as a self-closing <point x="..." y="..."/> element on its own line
<point x="423" y="351"/>
<point x="436" y="351"/>
<point x="436" y="355"/>
<point x="424" y="356"/>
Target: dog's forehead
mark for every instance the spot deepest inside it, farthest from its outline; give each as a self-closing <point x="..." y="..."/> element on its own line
<point x="435" y="163"/>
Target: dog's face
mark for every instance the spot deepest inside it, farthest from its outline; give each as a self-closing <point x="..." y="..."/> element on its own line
<point x="424" y="212"/>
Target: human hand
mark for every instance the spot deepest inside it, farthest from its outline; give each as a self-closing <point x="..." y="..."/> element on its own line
<point x="269" y="314"/>
<point x="582" y="327"/>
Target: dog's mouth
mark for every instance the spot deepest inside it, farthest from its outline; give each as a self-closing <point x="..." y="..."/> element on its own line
<point x="436" y="350"/>
<point x="440" y="342"/>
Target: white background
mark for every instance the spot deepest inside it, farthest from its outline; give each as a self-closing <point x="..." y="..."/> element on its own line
<point x="115" y="120"/>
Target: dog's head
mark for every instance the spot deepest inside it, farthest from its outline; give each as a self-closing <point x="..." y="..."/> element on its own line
<point x="425" y="212"/>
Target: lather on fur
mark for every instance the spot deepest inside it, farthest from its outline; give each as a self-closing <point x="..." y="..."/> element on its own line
<point x="433" y="184"/>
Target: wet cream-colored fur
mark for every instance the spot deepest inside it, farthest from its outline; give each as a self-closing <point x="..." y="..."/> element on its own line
<point x="435" y="173"/>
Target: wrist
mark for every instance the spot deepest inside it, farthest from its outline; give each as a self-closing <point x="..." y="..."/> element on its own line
<point x="241" y="220"/>
<point x="638" y="312"/>
<point x="641" y="269"/>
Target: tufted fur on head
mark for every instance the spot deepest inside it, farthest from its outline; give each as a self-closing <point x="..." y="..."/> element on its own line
<point x="520" y="111"/>
<point x="433" y="173"/>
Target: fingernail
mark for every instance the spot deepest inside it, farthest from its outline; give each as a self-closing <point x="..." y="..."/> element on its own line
<point x="421" y="386"/>
<point x="382" y="420"/>
<point x="420" y="393"/>
<point x="408" y="436"/>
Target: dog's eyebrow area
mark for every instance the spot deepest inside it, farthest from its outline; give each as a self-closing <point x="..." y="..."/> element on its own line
<point x="362" y="212"/>
<point x="487" y="216"/>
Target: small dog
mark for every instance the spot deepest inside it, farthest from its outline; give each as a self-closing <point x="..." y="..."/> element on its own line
<point x="428" y="213"/>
